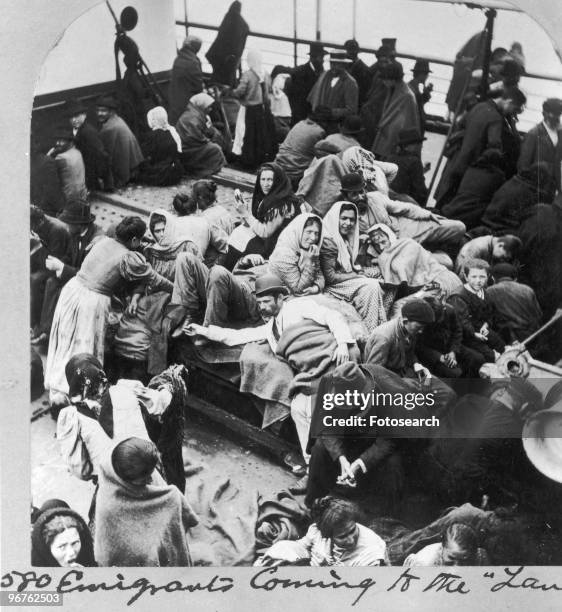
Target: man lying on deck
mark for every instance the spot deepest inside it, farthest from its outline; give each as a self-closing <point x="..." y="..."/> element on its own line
<point x="280" y="314"/>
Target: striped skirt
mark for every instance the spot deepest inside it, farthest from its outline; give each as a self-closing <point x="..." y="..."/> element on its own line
<point x="366" y="295"/>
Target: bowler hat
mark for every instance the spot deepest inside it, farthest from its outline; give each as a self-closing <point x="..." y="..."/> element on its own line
<point x="63" y="132"/>
<point x="541" y="440"/>
<point x="316" y="50"/>
<point x="552" y="105"/>
<point x="270" y="283"/>
<point x="107" y="102"/>
<point x="77" y="212"/>
<point x="74" y="107"/>
<point x="351" y="125"/>
<point x="352" y="181"/>
<point x="337" y="57"/>
<point x="409" y="136"/>
<point x="422" y="65"/>
<point x="419" y="311"/>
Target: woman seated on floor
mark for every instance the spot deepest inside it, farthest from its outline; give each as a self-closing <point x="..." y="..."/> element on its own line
<point x="335" y="538"/>
<point x="458" y="546"/>
<point x="140" y="520"/>
<point x="403" y="260"/>
<point x="274" y="205"/>
<point x="296" y="257"/>
<point x="210" y="239"/>
<point x="345" y="278"/>
<point x="204" y="194"/>
<point x="60" y="537"/>
<point x="161" y="148"/>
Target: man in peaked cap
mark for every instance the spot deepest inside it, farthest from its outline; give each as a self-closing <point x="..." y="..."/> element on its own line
<point x="280" y="314"/>
<point x="88" y="142"/>
<point x="302" y="80"/>
<point x="70" y="165"/>
<point x="124" y="152"/>
<point x="543" y="143"/>
<point x="337" y="90"/>
<point x="83" y="234"/>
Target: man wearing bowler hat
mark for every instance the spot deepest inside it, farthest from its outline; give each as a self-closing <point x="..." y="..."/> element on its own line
<point x="410" y="179"/>
<point x="543" y="143"/>
<point x="124" y="152"/>
<point x="70" y="165"/>
<point x="337" y="90"/>
<point x="421" y="91"/>
<point x="302" y="81"/>
<point x="83" y="234"/>
<point x="279" y="314"/>
<point x="350" y="130"/>
<point x="88" y="142"/>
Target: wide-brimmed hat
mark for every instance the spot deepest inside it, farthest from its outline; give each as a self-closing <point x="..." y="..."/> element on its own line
<point x="77" y="213"/>
<point x="348" y="376"/>
<point x="542" y="441"/>
<point x="409" y="136"/>
<point x="74" y="107"/>
<point x="107" y="102"/>
<point x="421" y="65"/>
<point x="63" y="132"/>
<point x="339" y="57"/>
<point x="270" y="283"/>
<point x="352" y="181"/>
<point x="418" y="310"/>
<point x="317" y="50"/>
<point x="351" y="125"/>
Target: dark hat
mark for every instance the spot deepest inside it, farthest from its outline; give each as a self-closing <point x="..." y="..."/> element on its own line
<point x="393" y="71"/>
<point x="348" y="376"/>
<point x="352" y="181"/>
<point x="501" y="270"/>
<point x="63" y="132"/>
<point x="409" y="136"/>
<point x="351" y="125"/>
<point x="422" y="65"/>
<point x="270" y="283"/>
<point x="316" y="50"/>
<point x="351" y="44"/>
<point x="77" y="212"/>
<point x="337" y="57"/>
<point x="552" y="105"/>
<point x="321" y="113"/>
<point x="511" y="69"/>
<point x="418" y="310"/>
<point x="390" y="43"/>
<point x="385" y="51"/>
<point x="107" y="102"/>
<point x="74" y="107"/>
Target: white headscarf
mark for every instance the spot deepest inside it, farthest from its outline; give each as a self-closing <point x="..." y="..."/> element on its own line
<point x="254" y="61"/>
<point x="202" y="101"/>
<point x="289" y="240"/>
<point x="173" y="234"/>
<point x="157" y="119"/>
<point x="347" y="251"/>
<point x="381" y="227"/>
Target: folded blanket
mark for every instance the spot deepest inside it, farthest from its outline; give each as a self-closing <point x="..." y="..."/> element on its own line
<point x="321" y="184"/>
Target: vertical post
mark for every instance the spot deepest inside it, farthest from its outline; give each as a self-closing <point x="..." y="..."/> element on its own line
<point x="318" y="19"/>
<point x="490" y="17"/>
<point x="295" y="33"/>
<point x="185" y="15"/>
<point x="354" y="24"/>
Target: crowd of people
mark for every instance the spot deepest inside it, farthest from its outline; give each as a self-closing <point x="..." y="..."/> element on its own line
<point x="335" y="276"/>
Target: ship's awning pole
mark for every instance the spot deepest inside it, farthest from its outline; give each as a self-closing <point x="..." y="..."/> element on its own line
<point x="295" y="33"/>
<point x="318" y="19"/>
<point x="354" y="24"/>
<point x="185" y="15"/>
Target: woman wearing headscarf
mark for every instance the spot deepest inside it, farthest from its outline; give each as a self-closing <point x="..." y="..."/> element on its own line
<point x="84" y="306"/>
<point x="161" y="148"/>
<point x="200" y="152"/>
<point x="141" y="339"/>
<point x="296" y="257"/>
<point x="100" y="413"/>
<point x="140" y="521"/>
<point x="344" y="278"/>
<point x="61" y="538"/>
<point x="274" y="205"/>
<point x="225" y="53"/>
<point x="254" y="138"/>
<point x="403" y="260"/>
